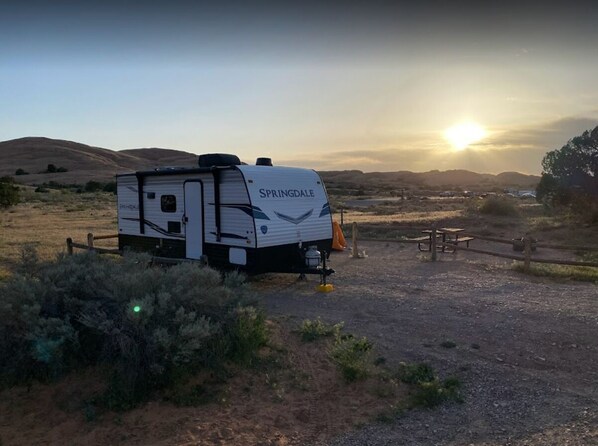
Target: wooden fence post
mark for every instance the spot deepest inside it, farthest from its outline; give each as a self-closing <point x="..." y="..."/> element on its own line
<point x="355" y="253"/>
<point x="433" y="243"/>
<point x="69" y="246"/>
<point x="527" y="251"/>
<point x="342" y="218"/>
<point x="90" y="241"/>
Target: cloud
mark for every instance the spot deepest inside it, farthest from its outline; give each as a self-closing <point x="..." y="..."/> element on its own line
<point x="520" y="149"/>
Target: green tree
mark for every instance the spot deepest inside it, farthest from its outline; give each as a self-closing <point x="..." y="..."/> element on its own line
<point x="9" y="193"/>
<point x="572" y="169"/>
<point x="51" y="168"/>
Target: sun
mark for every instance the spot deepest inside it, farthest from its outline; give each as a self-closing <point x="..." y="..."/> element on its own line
<point x="462" y="135"/>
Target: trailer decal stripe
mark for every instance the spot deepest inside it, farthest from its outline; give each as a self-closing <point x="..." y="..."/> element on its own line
<point x="294" y="220"/>
<point x="229" y="235"/>
<point x="252" y="211"/>
<point x="325" y="210"/>
<point x="157" y="228"/>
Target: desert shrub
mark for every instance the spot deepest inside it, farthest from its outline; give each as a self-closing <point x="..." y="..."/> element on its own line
<point x="433" y="393"/>
<point x="415" y="373"/>
<point x="316" y="329"/>
<point x="9" y="192"/>
<point x="352" y="356"/>
<point x="429" y="390"/>
<point x="93" y="186"/>
<point x="110" y="187"/>
<point x="499" y="206"/>
<point x="149" y="326"/>
<point x="20" y="171"/>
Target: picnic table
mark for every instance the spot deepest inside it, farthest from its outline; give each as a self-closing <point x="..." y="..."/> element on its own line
<point x="447" y="235"/>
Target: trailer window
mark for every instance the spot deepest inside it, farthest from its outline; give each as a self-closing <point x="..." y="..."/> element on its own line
<point x="168" y="203"/>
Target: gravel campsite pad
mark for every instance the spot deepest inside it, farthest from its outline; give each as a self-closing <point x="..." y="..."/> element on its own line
<point x="525" y="348"/>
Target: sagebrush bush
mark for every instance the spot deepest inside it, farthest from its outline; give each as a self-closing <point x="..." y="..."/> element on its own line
<point x="352" y="356"/>
<point x="149" y="325"/>
<point x="429" y="390"/>
<point x="499" y="206"/>
<point x="312" y="330"/>
<point x="415" y="373"/>
<point x="433" y="393"/>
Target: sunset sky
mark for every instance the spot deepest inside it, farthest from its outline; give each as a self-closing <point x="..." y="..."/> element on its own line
<point x="341" y="86"/>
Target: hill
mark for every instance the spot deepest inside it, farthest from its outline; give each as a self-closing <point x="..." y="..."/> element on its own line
<point x="84" y="163"/>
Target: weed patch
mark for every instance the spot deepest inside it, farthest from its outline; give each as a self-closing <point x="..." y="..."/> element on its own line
<point x="352" y="356"/>
<point x="560" y="272"/>
<point x="433" y="393"/>
<point x="316" y="329"/>
<point x="415" y="373"/>
<point x="429" y="390"/>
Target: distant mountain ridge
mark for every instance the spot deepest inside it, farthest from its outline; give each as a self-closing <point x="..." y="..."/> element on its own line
<point x="84" y="163"/>
<point x="435" y="179"/>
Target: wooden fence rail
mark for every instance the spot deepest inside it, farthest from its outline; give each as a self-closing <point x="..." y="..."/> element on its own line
<point x="90" y="246"/>
<point x="526" y="257"/>
<point x="537" y="244"/>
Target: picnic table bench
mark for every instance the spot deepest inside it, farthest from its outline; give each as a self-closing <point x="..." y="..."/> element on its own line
<point x="446" y="235"/>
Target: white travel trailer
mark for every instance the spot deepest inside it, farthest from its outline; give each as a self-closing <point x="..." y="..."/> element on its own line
<point x="258" y="218"/>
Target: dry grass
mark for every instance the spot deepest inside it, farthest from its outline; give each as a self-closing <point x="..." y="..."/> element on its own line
<point x="401" y="217"/>
<point x="46" y="220"/>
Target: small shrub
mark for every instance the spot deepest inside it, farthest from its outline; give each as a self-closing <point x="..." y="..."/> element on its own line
<point x="448" y="344"/>
<point x="316" y="329"/>
<point x="110" y="187"/>
<point x="9" y="193"/>
<point x="415" y="373"/>
<point x="21" y="172"/>
<point x="433" y="393"/>
<point x="247" y="334"/>
<point x="93" y="186"/>
<point x="498" y="206"/>
<point x="352" y="356"/>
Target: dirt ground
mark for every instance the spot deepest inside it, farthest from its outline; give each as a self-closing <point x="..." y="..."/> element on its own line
<point x="526" y="348"/>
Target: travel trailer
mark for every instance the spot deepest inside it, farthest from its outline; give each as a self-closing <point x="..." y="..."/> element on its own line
<point x="259" y="218"/>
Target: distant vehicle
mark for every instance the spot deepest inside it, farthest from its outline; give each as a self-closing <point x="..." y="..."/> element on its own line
<point x="527" y="195"/>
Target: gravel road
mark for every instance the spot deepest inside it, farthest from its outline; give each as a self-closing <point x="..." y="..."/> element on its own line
<point x="526" y="348"/>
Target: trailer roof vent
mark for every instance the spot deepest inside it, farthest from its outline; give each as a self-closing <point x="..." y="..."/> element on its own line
<point x="263" y="161"/>
<point x="218" y="159"/>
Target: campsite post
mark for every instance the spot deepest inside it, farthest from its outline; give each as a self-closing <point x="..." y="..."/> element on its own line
<point x="355" y="254"/>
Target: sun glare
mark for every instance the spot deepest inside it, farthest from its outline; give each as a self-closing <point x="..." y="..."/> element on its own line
<point x="462" y="135"/>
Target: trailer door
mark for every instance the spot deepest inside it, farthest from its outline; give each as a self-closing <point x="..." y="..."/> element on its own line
<point x="193" y="219"/>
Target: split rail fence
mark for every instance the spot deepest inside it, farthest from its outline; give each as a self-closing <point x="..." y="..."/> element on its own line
<point x="528" y="244"/>
<point x="90" y="246"/>
<point x="527" y="258"/>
